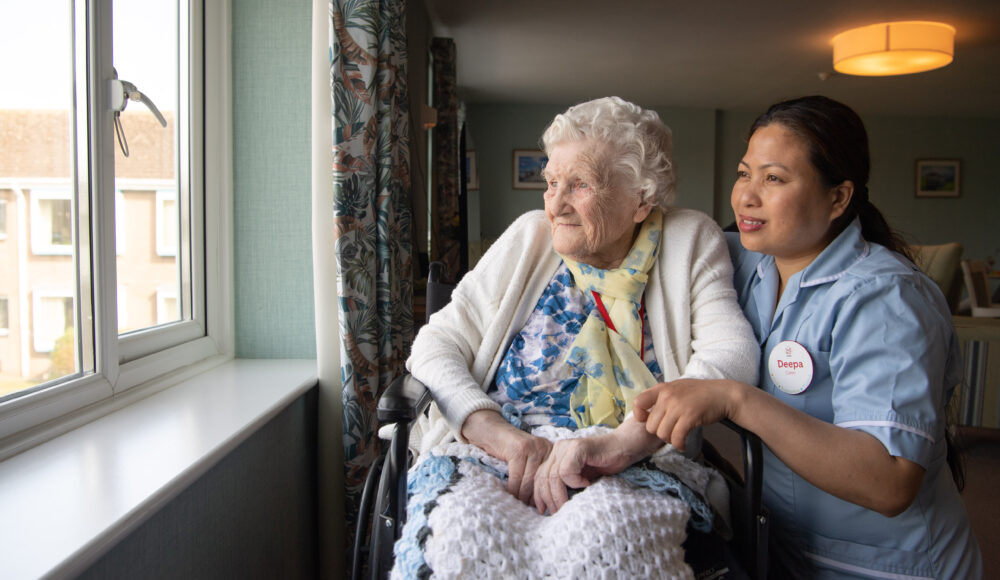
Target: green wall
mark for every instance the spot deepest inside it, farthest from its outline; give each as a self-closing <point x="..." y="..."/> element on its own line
<point x="273" y="265"/>
<point x="498" y="129"/>
<point x="708" y="144"/>
<point x="896" y="143"/>
<point x="271" y="179"/>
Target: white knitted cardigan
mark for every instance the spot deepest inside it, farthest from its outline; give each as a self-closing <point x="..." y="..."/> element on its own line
<point x="698" y="327"/>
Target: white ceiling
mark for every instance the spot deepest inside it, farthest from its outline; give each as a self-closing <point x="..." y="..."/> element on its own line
<point x="732" y="55"/>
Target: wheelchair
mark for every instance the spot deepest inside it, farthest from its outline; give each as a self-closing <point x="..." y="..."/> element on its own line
<point x="382" y="512"/>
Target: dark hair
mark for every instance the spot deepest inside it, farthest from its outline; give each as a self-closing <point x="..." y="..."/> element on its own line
<point x="838" y="149"/>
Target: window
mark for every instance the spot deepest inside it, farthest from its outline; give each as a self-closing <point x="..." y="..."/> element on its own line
<point x="166" y="223"/>
<point x="51" y="222"/>
<point x="52" y="317"/>
<point x="3" y="219"/>
<point x="4" y="319"/>
<point x="167" y="308"/>
<point x="103" y="278"/>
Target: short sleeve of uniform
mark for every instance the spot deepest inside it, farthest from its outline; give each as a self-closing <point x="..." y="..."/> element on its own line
<point x="891" y="359"/>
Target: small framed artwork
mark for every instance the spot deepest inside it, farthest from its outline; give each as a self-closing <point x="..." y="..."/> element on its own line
<point x="471" y="172"/>
<point x="938" y="177"/>
<point x="528" y="166"/>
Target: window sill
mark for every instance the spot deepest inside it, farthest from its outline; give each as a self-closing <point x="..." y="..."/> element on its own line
<point x="66" y="501"/>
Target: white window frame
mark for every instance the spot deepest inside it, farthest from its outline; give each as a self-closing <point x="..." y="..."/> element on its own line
<point x="119" y="370"/>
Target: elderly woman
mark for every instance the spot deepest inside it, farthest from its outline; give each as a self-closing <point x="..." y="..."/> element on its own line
<point x="576" y="310"/>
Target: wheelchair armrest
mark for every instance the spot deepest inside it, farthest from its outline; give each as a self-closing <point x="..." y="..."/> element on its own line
<point x="754" y="527"/>
<point x="753" y="455"/>
<point x="403" y="400"/>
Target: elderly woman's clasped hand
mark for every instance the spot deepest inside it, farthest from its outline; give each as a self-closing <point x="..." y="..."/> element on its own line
<point x="523" y="452"/>
<point x="576" y="463"/>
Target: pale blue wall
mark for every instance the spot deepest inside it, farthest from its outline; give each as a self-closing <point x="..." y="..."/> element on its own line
<point x="897" y="142"/>
<point x="498" y="129"/>
<point x="271" y="65"/>
<point x="271" y="179"/>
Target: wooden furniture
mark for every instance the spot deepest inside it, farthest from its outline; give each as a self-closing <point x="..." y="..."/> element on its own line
<point x="977" y="283"/>
<point x="977" y="401"/>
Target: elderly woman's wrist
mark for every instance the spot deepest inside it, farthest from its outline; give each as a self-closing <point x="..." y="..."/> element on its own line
<point x="482" y="428"/>
<point x="636" y="442"/>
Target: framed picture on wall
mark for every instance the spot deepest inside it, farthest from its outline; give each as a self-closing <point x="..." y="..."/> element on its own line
<point x="528" y="165"/>
<point x="471" y="172"/>
<point x="938" y="177"/>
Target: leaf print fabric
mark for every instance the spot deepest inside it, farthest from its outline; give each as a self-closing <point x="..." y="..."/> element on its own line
<point x="372" y="216"/>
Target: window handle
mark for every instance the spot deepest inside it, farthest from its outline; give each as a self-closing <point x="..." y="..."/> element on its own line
<point x="121" y="93"/>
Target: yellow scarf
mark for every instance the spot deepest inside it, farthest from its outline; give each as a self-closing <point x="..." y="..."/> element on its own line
<point x="612" y="367"/>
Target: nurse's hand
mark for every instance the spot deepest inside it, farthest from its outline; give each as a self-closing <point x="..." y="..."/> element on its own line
<point x="671" y="410"/>
<point x="523" y="452"/>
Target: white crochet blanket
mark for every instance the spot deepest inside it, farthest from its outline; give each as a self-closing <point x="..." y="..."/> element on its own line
<point x="462" y="523"/>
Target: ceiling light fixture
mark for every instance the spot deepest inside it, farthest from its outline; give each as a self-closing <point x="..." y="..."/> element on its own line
<point x="893" y="48"/>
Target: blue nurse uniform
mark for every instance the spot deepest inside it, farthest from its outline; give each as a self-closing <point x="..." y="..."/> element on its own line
<point x="885" y="361"/>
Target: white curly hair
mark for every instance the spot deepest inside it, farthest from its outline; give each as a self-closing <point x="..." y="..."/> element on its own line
<point x="634" y="148"/>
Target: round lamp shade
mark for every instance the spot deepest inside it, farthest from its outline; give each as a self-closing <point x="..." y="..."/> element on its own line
<point x="893" y="48"/>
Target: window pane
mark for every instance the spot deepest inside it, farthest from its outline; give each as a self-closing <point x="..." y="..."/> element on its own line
<point x="3" y="217"/>
<point x="146" y="55"/>
<point x="38" y="276"/>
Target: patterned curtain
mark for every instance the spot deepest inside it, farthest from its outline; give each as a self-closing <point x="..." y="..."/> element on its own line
<point x="446" y="231"/>
<point x="372" y="217"/>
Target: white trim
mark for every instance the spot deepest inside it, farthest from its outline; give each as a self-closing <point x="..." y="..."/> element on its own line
<point x="889" y="424"/>
<point x="330" y="421"/>
<point x="866" y="571"/>
<point x="218" y="177"/>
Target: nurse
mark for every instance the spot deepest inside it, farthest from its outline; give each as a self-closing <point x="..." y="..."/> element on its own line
<point x="859" y="360"/>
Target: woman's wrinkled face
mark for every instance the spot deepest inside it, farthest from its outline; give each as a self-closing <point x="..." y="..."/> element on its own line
<point x="593" y="220"/>
<point x="781" y="206"/>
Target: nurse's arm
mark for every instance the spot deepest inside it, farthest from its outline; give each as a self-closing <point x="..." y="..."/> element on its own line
<point x="851" y="465"/>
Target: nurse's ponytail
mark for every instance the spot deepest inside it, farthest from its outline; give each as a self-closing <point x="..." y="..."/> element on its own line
<point x="838" y="147"/>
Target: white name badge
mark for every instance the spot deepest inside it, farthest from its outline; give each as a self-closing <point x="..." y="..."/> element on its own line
<point x="790" y="366"/>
